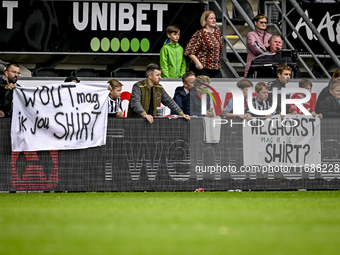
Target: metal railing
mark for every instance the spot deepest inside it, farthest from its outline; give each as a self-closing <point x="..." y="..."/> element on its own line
<point x="281" y="27"/>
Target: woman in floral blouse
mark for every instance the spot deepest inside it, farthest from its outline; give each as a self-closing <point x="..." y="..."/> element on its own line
<point x="205" y="47"/>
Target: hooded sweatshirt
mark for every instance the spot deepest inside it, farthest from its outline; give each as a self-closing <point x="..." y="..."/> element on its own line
<point x="172" y="61"/>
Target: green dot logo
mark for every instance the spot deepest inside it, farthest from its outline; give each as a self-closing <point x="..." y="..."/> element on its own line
<point x="145" y="45"/>
<point x="115" y="44"/>
<point x="134" y="44"/>
<point x="95" y="44"/>
<point x="125" y="44"/>
<point x="105" y="44"/>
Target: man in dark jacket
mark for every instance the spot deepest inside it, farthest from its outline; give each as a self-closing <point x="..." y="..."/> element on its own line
<point x="180" y="92"/>
<point x="193" y="100"/>
<point x="7" y="84"/>
<point x="325" y="91"/>
<point x="330" y="106"/>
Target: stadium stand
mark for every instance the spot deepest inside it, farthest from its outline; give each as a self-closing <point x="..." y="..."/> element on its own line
<point x="62" y="51"/>
<point x="237" y="17"/>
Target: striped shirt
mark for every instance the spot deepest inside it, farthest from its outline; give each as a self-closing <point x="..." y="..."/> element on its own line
<point x="114" y="106"/>
<point x="262" y="106"/>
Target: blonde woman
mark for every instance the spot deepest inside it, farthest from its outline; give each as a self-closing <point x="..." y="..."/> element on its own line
<point x="205" y="47"/>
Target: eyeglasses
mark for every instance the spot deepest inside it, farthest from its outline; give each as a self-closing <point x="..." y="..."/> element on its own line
<point x="263" y="22"/>
<point x="15" y="72"/>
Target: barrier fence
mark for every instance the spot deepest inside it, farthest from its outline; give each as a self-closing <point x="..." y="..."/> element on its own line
<point x="168" y="155"/>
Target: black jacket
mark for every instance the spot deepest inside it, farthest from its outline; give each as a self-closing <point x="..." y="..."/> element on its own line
<point x="179" y="98"/>
<point x="322" y="96"/>
<point x="192" y="103"/>
<point x="279" y="85"/>
<point x="6" y="98"/>
<point x="330" y="107"/>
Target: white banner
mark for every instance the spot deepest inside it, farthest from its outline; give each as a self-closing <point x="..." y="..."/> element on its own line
<point x="291" y="141"/>
<point x="59" y="116"/>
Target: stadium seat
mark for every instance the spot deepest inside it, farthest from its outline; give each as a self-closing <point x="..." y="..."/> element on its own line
<point x="124" y="72"/>
<point x="84" y="72"/>
<point x="45" y="72"/>
<point x="237" y="17"/>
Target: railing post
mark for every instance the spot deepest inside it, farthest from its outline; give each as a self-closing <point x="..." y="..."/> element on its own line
<point x="284" y="24"/>
<point x="224" y="27"/>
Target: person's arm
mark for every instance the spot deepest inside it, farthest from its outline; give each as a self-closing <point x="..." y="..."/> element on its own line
<point x="169" y="102"/>
<point x="241" y="116"/>
<point x="322" y="96"/>
<point x="197" y="63"/>
<point x="118" y="114"/>
<point x="163" y="61"/>
<point x="314" y="114"/>
<point x="253" y="45"/>
<point x="112" y="114"/>
<point x="319" y="115"/>
<point x="5" y="85"/>
<point x="193" y="47"/>
<point x="230" y="114"/>
<point x="312" y="104"/>
<point x="10" y="86"/>
<point x="136" y="105"/>
<point x="135" y="100"/>
<point x="328" y="108"/>
<point x="183" y="66"/>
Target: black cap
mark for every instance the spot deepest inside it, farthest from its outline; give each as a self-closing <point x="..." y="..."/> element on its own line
<point x="72" y="78"/>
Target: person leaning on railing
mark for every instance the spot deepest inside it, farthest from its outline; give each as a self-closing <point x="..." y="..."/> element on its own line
<point x="148" y="94"/>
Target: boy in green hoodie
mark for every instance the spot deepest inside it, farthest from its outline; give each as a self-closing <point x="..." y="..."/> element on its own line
<point x="172" y="61"/>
